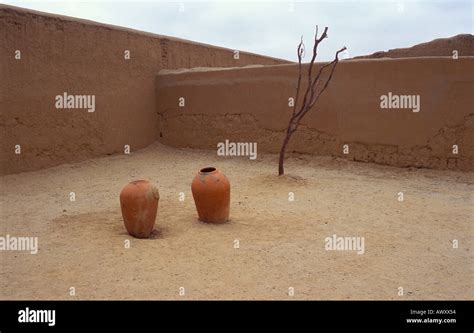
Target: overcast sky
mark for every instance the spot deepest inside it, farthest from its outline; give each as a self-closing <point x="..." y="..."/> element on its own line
<point x="274" y="28"/>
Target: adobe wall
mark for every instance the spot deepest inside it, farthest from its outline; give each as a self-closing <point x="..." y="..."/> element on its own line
<point x="251" y="105"/>
<point x="61" y="54"/>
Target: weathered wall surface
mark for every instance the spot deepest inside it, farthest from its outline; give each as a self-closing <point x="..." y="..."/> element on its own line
<point x="60" y="54"/>
<point x="462" y="45"/>
<point x="251" y="105"/>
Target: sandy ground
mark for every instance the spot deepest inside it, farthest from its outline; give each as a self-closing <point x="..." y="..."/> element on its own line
<point x="282" y="244"/>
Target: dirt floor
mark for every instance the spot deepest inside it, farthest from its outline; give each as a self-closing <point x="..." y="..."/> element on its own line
<point x="282" y="243"/>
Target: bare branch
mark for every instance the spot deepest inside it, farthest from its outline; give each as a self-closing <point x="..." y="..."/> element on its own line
<point x="300" y="51"/>
<point x="311" y="64"/>
<point x="334" y="62"/>
<point x="311" y="90"/>
<point x="312" y="99"/>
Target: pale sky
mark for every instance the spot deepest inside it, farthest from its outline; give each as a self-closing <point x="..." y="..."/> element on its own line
<point x="274" y="28"/>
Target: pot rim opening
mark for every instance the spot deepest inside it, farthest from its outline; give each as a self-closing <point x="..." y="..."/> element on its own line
<point x="207" y="170"/>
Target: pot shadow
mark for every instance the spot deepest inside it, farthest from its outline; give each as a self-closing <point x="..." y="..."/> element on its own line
<point x="158" y="233"/>
<point x="232" y="224"/>
<point x="101" y="224"/>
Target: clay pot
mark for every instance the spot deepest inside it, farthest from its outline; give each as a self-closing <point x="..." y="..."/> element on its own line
<point x="211" y="192"/>
<point x="139" y="203"/>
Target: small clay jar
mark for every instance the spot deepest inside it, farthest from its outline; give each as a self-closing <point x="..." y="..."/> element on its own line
<point x="211" y="192"/>
<point x="139" y="204"/>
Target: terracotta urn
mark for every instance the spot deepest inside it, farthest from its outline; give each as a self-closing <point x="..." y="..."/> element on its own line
<point x="139" y="204"/>
<point x="211" y="192"/>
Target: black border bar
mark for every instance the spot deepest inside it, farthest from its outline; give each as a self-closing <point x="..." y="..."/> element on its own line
<point x="228" y="314"/>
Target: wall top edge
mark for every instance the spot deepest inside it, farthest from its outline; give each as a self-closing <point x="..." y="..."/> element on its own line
<point x="26" y="11"/>
<point x="179" y="71"/>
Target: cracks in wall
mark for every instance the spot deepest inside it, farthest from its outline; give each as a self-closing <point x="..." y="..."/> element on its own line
<point x="205" y="130"/>
<point x="436" y="153"/>
<point x="440" y="145"/>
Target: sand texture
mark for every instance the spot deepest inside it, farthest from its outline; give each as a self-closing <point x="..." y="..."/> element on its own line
<point x="82" y="244"/>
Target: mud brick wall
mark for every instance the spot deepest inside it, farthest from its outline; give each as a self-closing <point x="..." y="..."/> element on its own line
<point x="61" y="54"/>
<point x="251" y="105"/>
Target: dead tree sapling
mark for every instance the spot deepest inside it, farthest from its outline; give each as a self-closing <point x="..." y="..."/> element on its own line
<point x="315" y="87"/>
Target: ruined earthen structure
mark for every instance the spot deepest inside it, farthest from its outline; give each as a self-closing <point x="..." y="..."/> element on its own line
<point x="138" y="80"/>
